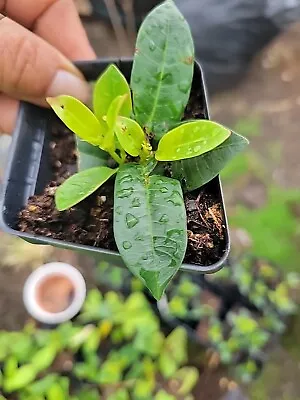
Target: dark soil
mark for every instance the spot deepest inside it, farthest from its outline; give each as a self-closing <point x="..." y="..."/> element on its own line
<point x="91" y="221"/>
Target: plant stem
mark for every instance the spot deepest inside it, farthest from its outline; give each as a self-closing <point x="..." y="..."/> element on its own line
<point x="117" y="159"/>
<point x="123" y="155"/>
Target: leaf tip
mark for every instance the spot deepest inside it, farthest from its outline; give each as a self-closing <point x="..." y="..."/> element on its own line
<point x="52" y="101"/>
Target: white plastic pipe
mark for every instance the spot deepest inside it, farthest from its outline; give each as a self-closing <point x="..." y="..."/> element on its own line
<point x="39" y="276"/>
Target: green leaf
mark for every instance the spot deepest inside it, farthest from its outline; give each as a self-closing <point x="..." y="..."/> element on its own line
<point x="90" y="156"/>
<point x="110" y="85"/>
<point x="143" y="389"/>
<point x="119" y="394"/>
<point x="44" y="358"/>
<point x="110" y="372"/>
<point x="78" y="118"/>
<point x="10" y="366"/>
<point x="191" y="140"/>
<point x="162" y="70"/>
<point x="56" y="392"/>
<point x="188" y="377"/>
<point x="167" y="365"/>
<point x="20" y="379"/>
<point x="163" y="395"/>
<point x="80" y="186"/>
<point x="149" y="225"/>
<point x="41" y="386"/>
<point x="130" y="135"/>
<point x="197" y="171"/>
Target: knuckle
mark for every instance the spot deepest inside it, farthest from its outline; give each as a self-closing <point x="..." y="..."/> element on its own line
<point x="23" y="67"/>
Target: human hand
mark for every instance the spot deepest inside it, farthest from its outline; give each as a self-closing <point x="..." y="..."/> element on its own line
<point x="38" y="38"/>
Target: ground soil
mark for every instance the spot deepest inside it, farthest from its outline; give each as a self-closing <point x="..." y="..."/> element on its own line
<point x="91" y="221"/>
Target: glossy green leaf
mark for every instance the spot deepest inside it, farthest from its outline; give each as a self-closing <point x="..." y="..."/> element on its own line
<point x="90" y="156"/>
<point x="80" y="186"/>
<point x="20" y="379"/>
<point x="191" y="140"/>
<point x="149" y="225"/>
<point x="197" y="171"/>
<point x="110" y="85"/>
<point x="130" y="135"/>
<point x="163" y="69"/>
<point x="78" y="118"/>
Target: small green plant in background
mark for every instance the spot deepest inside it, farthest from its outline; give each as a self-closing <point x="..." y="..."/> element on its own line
<point x="124" y="355"/>
<point x="149" y="213"/>
<point x="184" y="300"/>
<point x="244" y="337"/>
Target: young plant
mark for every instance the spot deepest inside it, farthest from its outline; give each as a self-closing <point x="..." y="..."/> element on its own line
<point x="149" y="213"/>
<point x="246" y="331"/>
<point x="123" y="356"/>
<point x="186" y="300"/>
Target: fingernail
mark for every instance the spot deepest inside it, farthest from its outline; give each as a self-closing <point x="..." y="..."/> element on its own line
<point x="65" y="83"/>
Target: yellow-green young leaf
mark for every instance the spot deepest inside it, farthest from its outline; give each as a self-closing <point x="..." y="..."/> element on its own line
<point x="108" y="143"/>
<point x="110" y="85"/>
<point x="163" y="395"/>
<point x="78" y="118"/>
<point x="191" y="140"/>
<point x="130" y="135"/>
<point x="21" y="378"/>
<point x="81" y="185"/>
<point x="114" y="110"/>
<point x="187" y="377"/>
<point x="56" y="392"/>
<point x="44" y="358"/>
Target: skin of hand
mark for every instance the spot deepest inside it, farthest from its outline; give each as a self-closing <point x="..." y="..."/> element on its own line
<point x="38" y="41"/>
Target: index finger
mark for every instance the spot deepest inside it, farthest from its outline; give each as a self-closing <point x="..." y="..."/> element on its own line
<point x="56" y="21"/>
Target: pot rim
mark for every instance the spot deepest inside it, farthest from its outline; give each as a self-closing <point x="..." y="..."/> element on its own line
<point x="39" y="275"/>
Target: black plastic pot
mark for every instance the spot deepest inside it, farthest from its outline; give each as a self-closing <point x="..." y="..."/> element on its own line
<point x="29" y="170"/>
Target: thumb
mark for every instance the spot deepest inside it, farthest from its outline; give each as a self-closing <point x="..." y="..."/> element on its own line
<point x="31" y="69"/>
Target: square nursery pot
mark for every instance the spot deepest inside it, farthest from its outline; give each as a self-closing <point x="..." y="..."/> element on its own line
<point x="29" y="171"/>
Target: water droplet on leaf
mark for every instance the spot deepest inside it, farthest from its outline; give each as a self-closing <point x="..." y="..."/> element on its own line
<point x="152" y="46"/>
<point x="175" y="198"/>
<point x="164" y="219"/>
<point x="131" y="220"/>
<point x="197" y="148"/>
<point x="167" y="77"/>
<point x="163" y="189"/>
<point x="119" y="210"/>
<point x="184" y="87"/>
<point x="125" y="193"/>
<point x="126" y="245"/>
<point x="136" y="202"/>
<point x="126" y="178"/>
<point x="137" y="79"/>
